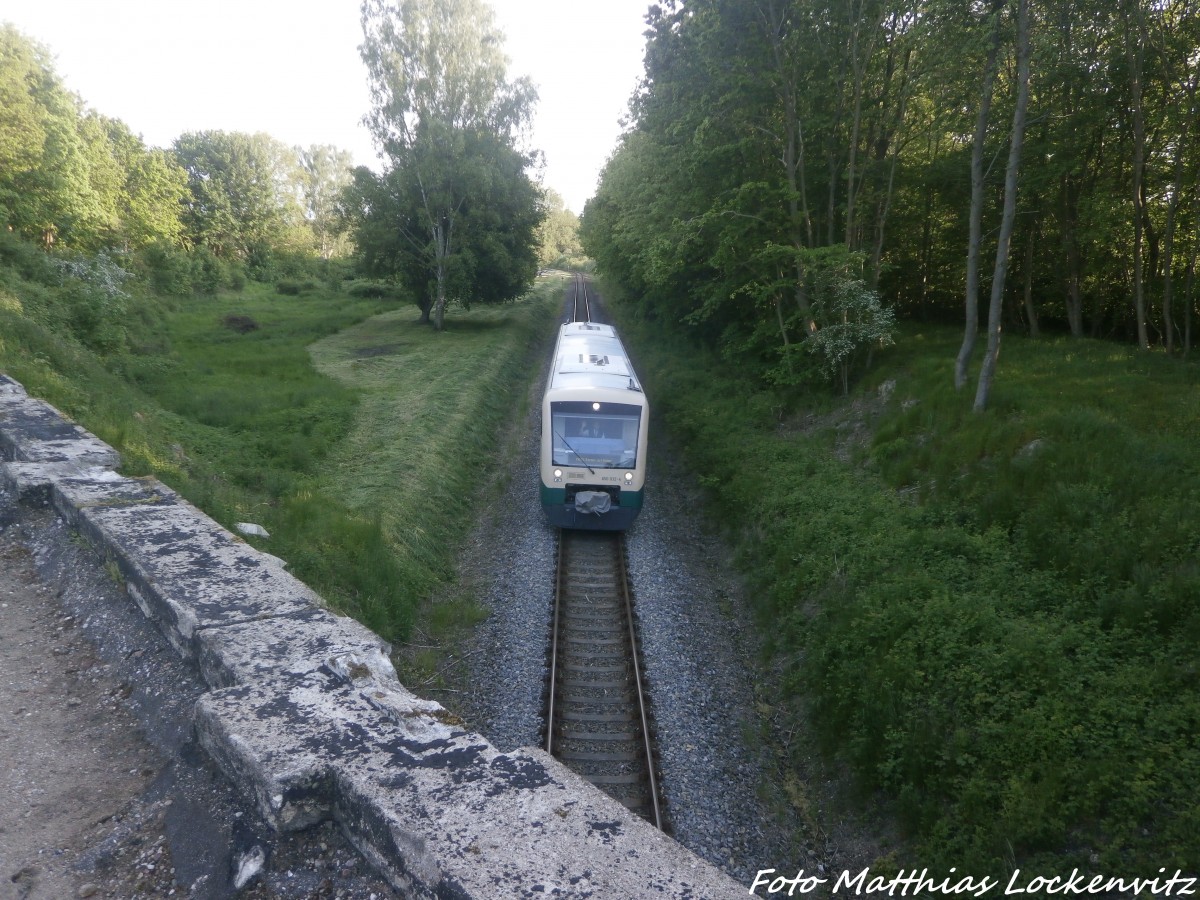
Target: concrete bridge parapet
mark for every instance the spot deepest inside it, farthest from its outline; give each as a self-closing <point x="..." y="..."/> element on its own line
<point x="307" y="716"/>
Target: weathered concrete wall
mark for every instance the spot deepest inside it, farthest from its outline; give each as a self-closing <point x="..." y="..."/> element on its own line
<point x="306" y="713"/>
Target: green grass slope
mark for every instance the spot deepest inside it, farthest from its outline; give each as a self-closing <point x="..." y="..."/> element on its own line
<point x="992" y="619"/>
<point x="420" y="450"/>
<point x="359" y="458"/>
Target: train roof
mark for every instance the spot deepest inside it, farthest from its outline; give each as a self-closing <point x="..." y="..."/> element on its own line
<point x="588" y="355"/>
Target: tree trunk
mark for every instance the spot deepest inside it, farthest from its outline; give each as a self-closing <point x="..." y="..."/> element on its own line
<point x="798" y="213"/>
<point x="778" y="304"/>
<point x="799" y="217"/>
<point x="1070" y="239"/>
<point x="855" y="122"/>
<point x="1030" y="311"/>
<point x="1169" y="262"/>
<point x="1134" y="53"/>
<point x="1189" y="283"/>
<point x="995" y="308"/>
<point x="976" y="211"/>
<point x="1172" y="213"/>
<point x="441" y="249"/>
<point x="890" y="148"/>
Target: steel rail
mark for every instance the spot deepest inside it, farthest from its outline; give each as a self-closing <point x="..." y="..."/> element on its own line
<point x="558" y="568"/>
<point x="581" y="292"/>
<point x="634" y="654"/>
<point x="607" y="736"/>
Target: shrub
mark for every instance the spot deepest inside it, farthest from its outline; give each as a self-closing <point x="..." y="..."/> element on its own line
<point x="167" y="269"/>
<point x="209" y="273"/>
<point x="372" y="290"/>
<point x="854" y="322"/>
<point x="235" y="278"/>
<point x="1009" y="654"/>
<point x="93" y="292"/>
<point x="27" y="259"/>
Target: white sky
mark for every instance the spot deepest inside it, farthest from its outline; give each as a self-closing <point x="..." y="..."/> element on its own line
<point x="291" y="68"/>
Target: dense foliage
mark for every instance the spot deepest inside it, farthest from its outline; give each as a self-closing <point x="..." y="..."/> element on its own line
<point x="993" y="619"/>
<point x="168" y="299"/>
<point x="454" y="216"/>
<point x="238" y="205"/>
<point x="558" y="236"/>
<point x="70" y="176"/>
<point x="219" y="397"/>
<point x="767" y="130"/>
<point x="984" y="616"/>
<point x="206" y="213"/>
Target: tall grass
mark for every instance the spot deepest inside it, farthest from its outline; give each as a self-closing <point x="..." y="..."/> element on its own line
<point x="361" y="468"/>
<point x="992" y="619"/>
<point x="420" y="451"/>
<point x="354" y="439"/>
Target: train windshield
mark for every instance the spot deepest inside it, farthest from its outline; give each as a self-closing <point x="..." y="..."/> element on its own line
<point x="598" y="435"/>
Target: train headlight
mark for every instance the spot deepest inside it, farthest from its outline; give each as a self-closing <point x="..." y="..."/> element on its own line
<point x="558" y="474"/>
<point x="595" y="407"/>
<point x="628" y="477"/>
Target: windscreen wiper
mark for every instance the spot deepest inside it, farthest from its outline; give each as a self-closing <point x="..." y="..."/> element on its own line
<point x="576" y="452"/>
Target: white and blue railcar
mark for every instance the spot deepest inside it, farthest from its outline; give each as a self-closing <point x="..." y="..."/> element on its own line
<point x="594" y="424"/>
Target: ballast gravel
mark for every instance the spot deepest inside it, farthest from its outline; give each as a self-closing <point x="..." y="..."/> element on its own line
<point x="699" y="654"/>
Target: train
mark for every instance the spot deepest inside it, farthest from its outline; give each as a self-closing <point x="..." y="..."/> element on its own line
<point x="595" y="421"/>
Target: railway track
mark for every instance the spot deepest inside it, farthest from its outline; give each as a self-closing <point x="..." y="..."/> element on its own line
<point x="581" y="307"/>
<point x="597" y="719"/>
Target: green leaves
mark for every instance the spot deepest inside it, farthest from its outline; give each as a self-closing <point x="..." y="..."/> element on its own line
<point x="455" y="217"/>
<point x="996" y="634"/>
<point x="240" y="198"/>
<point x="437" y="61"/>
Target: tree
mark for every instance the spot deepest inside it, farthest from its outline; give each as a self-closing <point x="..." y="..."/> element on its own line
<point x="558" y="235"/>
<point x="1011" y="173"/>
<point x="140" y="192"/>
<point x="325" y="173"/>
<point x="45" y="187"/>
<point x="242" y="200"/>
<point x="974" y="242"/>
<point x="156" y="189"/>
<point x="24" y="69"/>
<point x="446" y="119"/>
<point x="1135" y="48"/>
<point x="768" y="129"/>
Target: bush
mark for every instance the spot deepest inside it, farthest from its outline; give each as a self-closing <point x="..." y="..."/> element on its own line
<point x="1012" y="659"/>
<point x="372" y="290"/>
<point x="854" y="323"/>
<point x="167" y="269"/>
<point x="235" y="278"/>
<point x="26" y="259"/>
<point x="93" y="291"/>
<point x="209" y="273"/>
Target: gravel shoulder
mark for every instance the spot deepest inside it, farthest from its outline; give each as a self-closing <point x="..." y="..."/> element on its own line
<point x="110" y="797"/>
<point x="728" y="798"/>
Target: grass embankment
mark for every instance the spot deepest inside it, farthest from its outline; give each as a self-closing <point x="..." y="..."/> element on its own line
<point x="422" y="450"/>
<point x="993" y="619"/>
<point x="223" y="403"/>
